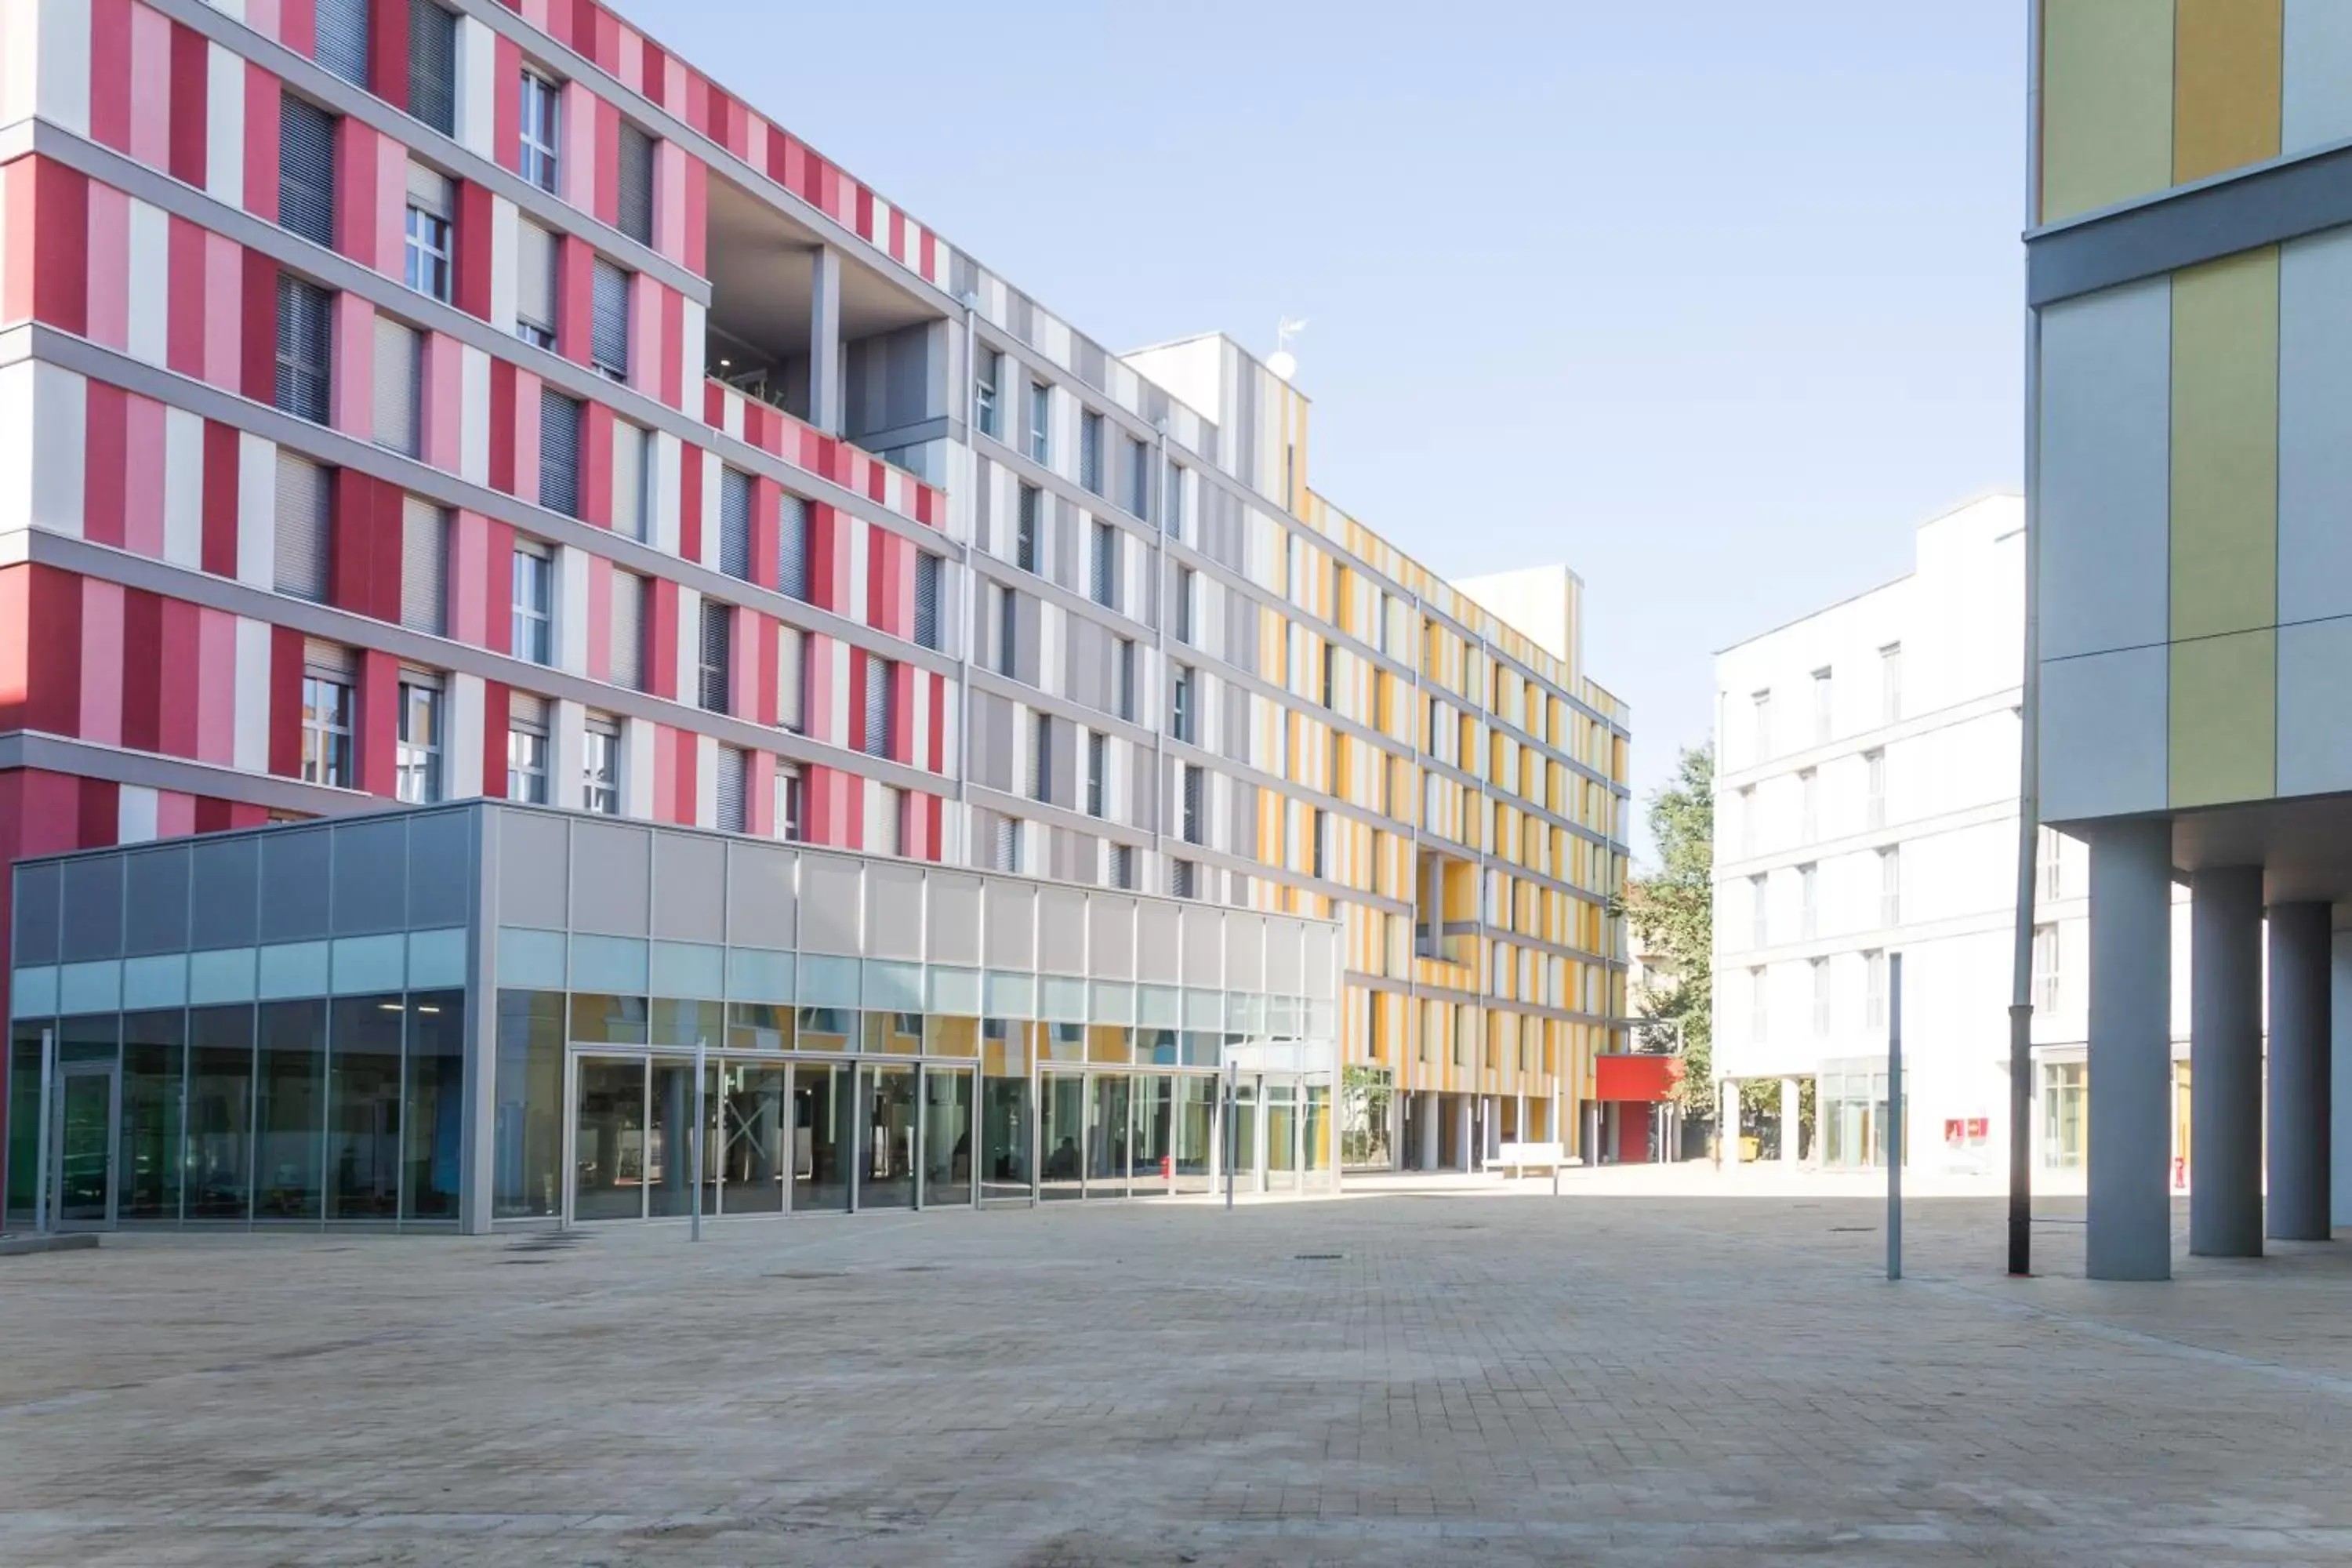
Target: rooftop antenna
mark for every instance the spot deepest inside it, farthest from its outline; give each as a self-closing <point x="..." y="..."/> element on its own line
<point x="1284" y="364"/>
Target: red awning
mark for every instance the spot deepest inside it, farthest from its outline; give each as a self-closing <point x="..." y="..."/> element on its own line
<point x="1650" y="1078"/>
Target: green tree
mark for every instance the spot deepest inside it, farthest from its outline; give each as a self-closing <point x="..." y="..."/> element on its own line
<point x="1672" y="912"/>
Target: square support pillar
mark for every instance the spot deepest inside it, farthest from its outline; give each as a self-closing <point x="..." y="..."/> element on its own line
<point x="2128" y="1223"/>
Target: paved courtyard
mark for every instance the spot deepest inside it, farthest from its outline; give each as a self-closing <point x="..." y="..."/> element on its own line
<point x="1667" y="1370"/>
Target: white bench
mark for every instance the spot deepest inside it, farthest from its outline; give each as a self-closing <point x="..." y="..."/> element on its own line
<point x="1519" y="1158"/>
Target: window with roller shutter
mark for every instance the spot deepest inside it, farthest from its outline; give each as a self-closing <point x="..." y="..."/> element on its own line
<point x="1102" y="575"/>
<point x="636" y="172"/>
<point x="628" y="646"/>
<point x="879" y="675"/>
<point x="429" y="245"/>
<point x="1193" y="825"/>
<point x="305" y="349"/>
<point x="558" y="452"/>
<point x="424" y="565"/>
<point x="399" y="365"/>
<point x="535" y="290"/>
<point x="630" y="510"/>
<point x="1007" y="848"/>
<point x="734" y="789"/>
<point x="1024" y="537"/>
<point x="340" y="39"/>
<point x="793" y="548"/>
<point x="1122" y="866"/>
<point x="1041" y="759"/>
<point x="608" y="326"/>
<point x="1097" y="772"/>
<point x="885" y="835"/>
<point x="928" y="569"/>
<point x="433" y="65"/>
<point x="303" y="523"/>
<point x="791" y="679"/>
<point x="735" y="523"/>
<point x="1090" y="443"/>
<point x="718" y="655"/>
<point x="306" y="170"/>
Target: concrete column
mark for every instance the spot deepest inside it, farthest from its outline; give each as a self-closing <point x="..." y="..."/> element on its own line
<point x="1791" y="1116"/>
<point x="2301" y="1079"/>
<point x="2225" y="1062"/>
<point x="1464" y="1148"/>
<point x="826" y="400"/>
<point x="1425" y="1120"/>
<point x="1727" y="1121"/>
<point x="1492" y="1143"/>
<point x="2129" y="1214"/>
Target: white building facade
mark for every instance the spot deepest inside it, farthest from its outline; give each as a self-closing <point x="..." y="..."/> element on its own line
<point x="1866" y="805"/>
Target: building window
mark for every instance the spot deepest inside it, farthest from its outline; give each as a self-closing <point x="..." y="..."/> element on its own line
<point x="1875" y="788"/>
<point x="733" y="790"/>
<point x="1122" y="866"/>
<point x="1171" y="503"/>
<point x="1747" y="798"/>
<point x="1041" y="758"/>
<point x="534" y="604"/>
<point x="2046" y="969"/>
<point x="1890" y="886"/>
<point x="527" y="748"/>
<point x="535" y="290"/>
<point x="305" y="349"/>
<point x="2065" y="1090"/>
<point x="1809" y="880"/>
<point x="1187" y="587"/>
<point x="608" y="321"/>
<point x="1006" y="856"/>
<point x="927" y="568"/>
<point x="1090" y="443"/>
<point x="637" y="182"/>
<point x="1762" y="702"/>
<point x="1873" y="966"/>
<point x="1180" y="704"/>
<point x="424" y="566"/>
<point x="791" y="679"/>
<point x="1041" y="423"/>
<point x="1824" y="710"/>
<point x="716" y="648"/>
<point x="1820" y="967"/>
<point x="1890" y="681"/>
<point x="1097" y="772"/>
<point x="794" y="529"/>
<point x="880" y="674"/>
<point x="1102" y="575"/>
<point x="305" y="513"/>
<point x="1330" y="674"/>
<point x="427" y="257"/>
<point x="1809" y="806"/>
<point x="1138" y="479"/>
<point x="1184" y="880"/>
<point x="399" y="369"/>
<point x="791" y="805"/>
<point x="306" y="170"/>
<point x="600" y="769"/>
<point x="885" y="834"/>
<point x="558" y="452"/>
<point x="542" y="127"/>
<point x="628" y="642"/>
<point x="417" y="775"/>
<point x="629" y="470"/>
<point x="433" y="65"/>
<point x="2051" y="864"/>
<point x="340" y="39"/>
<point x="1123" y="677"/>
<point x="327" y="728"/>
<point x="1024" y="529"/>
<point x="1760" y="1020"/>
<point x="990" y="369"/>
<point x="1317" y="826"/>
<point x="1760" y="932"/>
<point x="1191" y="822"/>
<point x="1007" y="631"/>
<point x="735" y="523"/>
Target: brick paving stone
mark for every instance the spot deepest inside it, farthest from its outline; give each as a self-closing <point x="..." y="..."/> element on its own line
<point x="1686" y="1374"/>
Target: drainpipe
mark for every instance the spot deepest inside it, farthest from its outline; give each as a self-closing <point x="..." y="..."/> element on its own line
<point x="1160" y="612"/>
<point x="2028" y="739"/>
<point x="971" y="627"/>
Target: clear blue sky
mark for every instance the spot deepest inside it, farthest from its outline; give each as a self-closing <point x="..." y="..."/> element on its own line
<point x="1714" y="300"/>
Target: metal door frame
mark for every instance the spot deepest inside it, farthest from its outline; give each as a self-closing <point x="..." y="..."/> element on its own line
<point x="55" y="1155"/>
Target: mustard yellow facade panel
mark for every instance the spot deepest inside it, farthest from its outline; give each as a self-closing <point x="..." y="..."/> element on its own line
<point x="2227" y="58"/>
<point x="2107" y="102"/>
<point x="2225" y="445"/>
<point x="2224" y="719"/>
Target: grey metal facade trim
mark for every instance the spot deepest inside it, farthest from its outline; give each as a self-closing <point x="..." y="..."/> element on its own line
<point x="313" y="82"/>
<point x="336" y="449"/>
<point x="1424" y="992"/>
<point x="2267" y="204"/>
<point x="89" y="758"/>
<point x="339" y="272"/>
<point x="163" y="577"/>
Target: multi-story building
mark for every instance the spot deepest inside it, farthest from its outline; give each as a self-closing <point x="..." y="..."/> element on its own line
<point x="1866" y="805"/>
<point x="2189" y="259"/>
<point x="406" y="401"/>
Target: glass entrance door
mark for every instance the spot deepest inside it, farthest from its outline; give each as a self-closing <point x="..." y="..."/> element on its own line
<point x="1281" y="1137"/>
<point x="752" y="1116"/>
<point x="1153" y="1104"/>
<point x="1107" y="1136"/>
<point x="1061" y="1132"/>
<point x="947" y="1137"/>
<point x="608" y="1138"/>
<point x="1241" y="1136"/>
<point x="885" y="1172"/>
<point x="1195" y="1132"/>
<point x="83" y="1177"/>
<point x="822" y="1147"/>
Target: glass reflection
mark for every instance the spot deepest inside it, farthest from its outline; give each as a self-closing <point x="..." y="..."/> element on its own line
<point x="827" y="1029"/>
<point x="947" y="1137"/>
<point x="1006" y="1132"/>
<point x="220" y="1112"/>
<point x="1240" y="1136"/>
<point x="23" y="1106"/>
<point x="950" y="1037"/>
<point x="1281" y="1137"/>
<point x="433" y="1103"/>
<point x="609" y="1140"/>
<point x="1195" y="1132"/>
<point x="529" y="1090"/>
<point x="153" y="1048"/>
<point x="1316" y="1135"/>
<point x="364" y="1107"/>
<point x="1106" y="1136"/>
<point x="669" y="1140"/>
<point x="289" y="1115"/>
<point x="753" y="1135"/>
<point x="885" y="1176"/>
<point x="600" y="1020"/>
<point x="758" y="1027"/>
<point x="1154" y="1106"/>
<point x="1061" y="1123"/>
<point x="894" y="1034"/>
<point x="821" y="1152"/>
